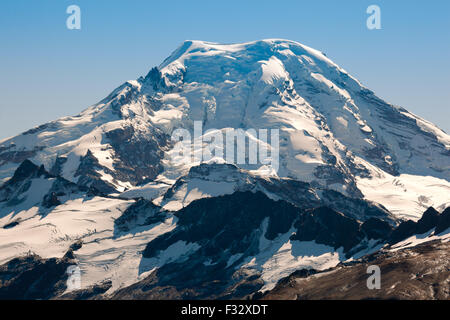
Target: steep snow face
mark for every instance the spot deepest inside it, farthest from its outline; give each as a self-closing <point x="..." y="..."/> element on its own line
<point x="334" y="132"/>
<point x="288" y="85"/>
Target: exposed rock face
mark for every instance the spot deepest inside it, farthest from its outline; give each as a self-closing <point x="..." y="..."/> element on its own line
<point x="430" y="219"/>
<point x="51" y="200"/>
<point x="11" y="154"/>
<point x="20" y="182"/>
<point x="91" y="293"/>
<point x="138" y="156"/>
<point x="227" y="222"/>
<point x="32" y="277"/>
<point x="404" y="230"/>
<point x="444" y="221"/>
<point x="422" y="272"/>
<point x="56" y="170"/>
<point x="34" y="182"/>
<point x="141" y="213"/>
<point x="229" y="225"/>
<point x="26" y="170"/>
<point x="89" y="177"/>
<point x="376" y="229"/>
<point x="329" y="227"/>
<point x="222" y="227"/>
<point x="298" y="193"/>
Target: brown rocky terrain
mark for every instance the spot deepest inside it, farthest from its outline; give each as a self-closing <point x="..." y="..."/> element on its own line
<point x="418" y="273"/>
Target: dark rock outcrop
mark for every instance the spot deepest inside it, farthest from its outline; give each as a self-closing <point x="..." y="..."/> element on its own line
<point x="20" y="181"/>
<point x="12" y="155"/>
<point x="326" y="226"/>
<point x="50" y="200"/>
<point x="141" y="213"/>
<point x="376" y="229"/>
<point x="403" y="231"/>
<point x="232" y="225"/>
<point x="14" y="191"/>
<point x="89" y="177"/>
<point x="430" y="219"/>
<point x="227" y="222"/>
<point x="444" y="221"/>
<point x="91" y="293"/>
<point x="26" y="170"/>
<point x="31" y="277"/>
<point x="137" y="156"/>
<point x="58" y="166"/>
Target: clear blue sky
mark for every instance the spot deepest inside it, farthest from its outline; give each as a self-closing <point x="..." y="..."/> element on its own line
<point x="48" y="71"/>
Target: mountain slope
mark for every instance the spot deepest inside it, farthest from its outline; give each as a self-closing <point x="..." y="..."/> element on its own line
<point x="226" y="247"/>
<point x="419" y="273"/>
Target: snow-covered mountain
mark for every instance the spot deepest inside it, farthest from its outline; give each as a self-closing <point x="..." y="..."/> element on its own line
<point x="108" y="177"/>
<point x="333" y="131"/>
